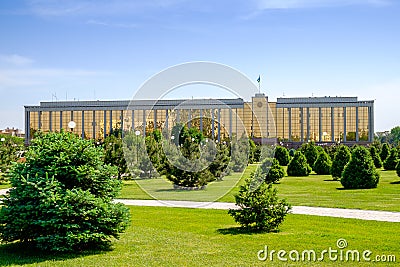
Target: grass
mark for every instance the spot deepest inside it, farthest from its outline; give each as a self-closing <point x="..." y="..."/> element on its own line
<point x="194" y="237"/>
<point x="314" y="190"/>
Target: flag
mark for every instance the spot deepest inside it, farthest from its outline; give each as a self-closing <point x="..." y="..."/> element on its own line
<point x="259" y="79"/>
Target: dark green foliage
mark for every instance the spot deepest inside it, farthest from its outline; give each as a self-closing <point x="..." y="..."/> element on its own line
<point x="375" y="157"/>
<point x="385" y="151"/>
<point x="252" y="151"/>
<point x="331" y="150"/>
<point x="360" y="172"/>
<point x="323" y="164"/>
<point x="342" y="157"/>
<point x="310" y="151"/>
<point x="282" y="155"/>
<point x="219" y="165"/>
<point x="11" y="149"/>
<point x="391" y="161"/>
<point x="398" y="169"/>
<point x="271" y="170"/>
<point x="114" y="153"/>
<point x="259" y="207"/>
<point x="150" y="158"/>
<point x="62" y="197"/>
<point x="189" y="163"/>
<point x="298" y="166"/>
<point x="291" y="152"/>
<point x="239" y="154"/>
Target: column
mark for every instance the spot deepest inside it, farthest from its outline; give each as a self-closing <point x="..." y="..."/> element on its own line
<point x="219" y="125"/>
<point x="50" y="121"/>
<point x="144" y="122"/>
<point x="94" y="124"/>
<point x="320" y="124"/>
<point x="111" y="122"/>
<point x="122" y="123"/>
<point x="344" y="125"/>
<point x="308" y="124"/>
<point x="212" y="123"/>
<point x="333" y="124"/>
<point x="371" y="122"/>
<point x="357" y="133"/>
<point x="290" y="123"/>
<point x="301" y="125"/>
<point x="61" y="120"/>
<point x="83" y="124"/>
<point x="230" y="123"/>
<point x="27" y="127"/>
<point x="166" y="119"/>
<point x="133" y="120"/>
<point x="154" y="119"/>
<point x="105" y="124"/>
<point x="39" y="120"/>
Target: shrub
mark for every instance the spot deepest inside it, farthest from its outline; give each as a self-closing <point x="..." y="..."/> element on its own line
<point x="310" y="151"/>
<point x="375" y="157"/>
<point x="360" y="172"/>
<point x="271" y="170"/>
<point x="385" y="151"/>
<point x="342" y="157"/>
<point x="114" y="153"/>
<point x="282" y="155"/>
<point x="62" y="197"/>
<point x="398" y="169"/>
<point x="259" y="207"/>
<point x="323" y="164"/>
<point x="298" y="166"/>
<point x="391" y="161"/>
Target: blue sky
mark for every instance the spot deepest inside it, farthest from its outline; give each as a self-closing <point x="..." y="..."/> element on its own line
<point x="68" y="49"/>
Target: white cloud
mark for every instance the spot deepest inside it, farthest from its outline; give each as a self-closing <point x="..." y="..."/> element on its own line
<point x="287" y="4"/>
<point x="15" y="60"/>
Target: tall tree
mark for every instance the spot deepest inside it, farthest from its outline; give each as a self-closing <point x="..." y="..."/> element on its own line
<point x="342" y="157"/>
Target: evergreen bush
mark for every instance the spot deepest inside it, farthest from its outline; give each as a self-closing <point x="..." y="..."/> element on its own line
<point x="259" y="207"/>
<point x="298" y="166"/>
<point x="323" y="164"/>
<point x="360" y="172"/>
<point x="375" y="157"/>
<point x="271" y="170"/>
<point x="282" y="155"/>
<point x="391" y="161"/>
<point x="342" y="157"/>
<point x="385" y="151"/>
<point x="62" y="195"/>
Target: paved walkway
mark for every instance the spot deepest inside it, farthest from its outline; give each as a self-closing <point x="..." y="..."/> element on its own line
<point x="372" y="215"/>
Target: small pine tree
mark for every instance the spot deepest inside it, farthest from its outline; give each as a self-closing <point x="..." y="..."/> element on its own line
<point x="360" y="172"/>
<point x="282" y="155"/>
<point x="391" y="161"/>
<point x="259" y="207"/>
<point x="219" y="164"/>
<point x="114" y="153"/>
<point x="323" y="164"/>
<point x="62" y="197"/>
<point x="385" y="151"/>
<point x="298" y="166"/>
<point x="342" y="157"/>
<point x="310" y="151"/>
<point x="271" y="170"/>
<point x="375" y="157"/>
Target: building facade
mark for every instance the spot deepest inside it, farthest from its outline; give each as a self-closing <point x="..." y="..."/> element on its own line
<point x="296" y="120"/>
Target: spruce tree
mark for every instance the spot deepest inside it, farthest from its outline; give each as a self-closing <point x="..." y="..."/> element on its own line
<point x="385" y="151"/>
<point x="282" y="155"/>
<point x="323" y="164"/>
<point x="62" y="197"/>
<point x="360" y="172"/>
<point x="310" y="151"/>
<point x="342" y="157"/>
<point x="391" y="161"/>
<point x="298" y="166"/>
<point x="271" y="170"/>
<point x="375" y="157"/>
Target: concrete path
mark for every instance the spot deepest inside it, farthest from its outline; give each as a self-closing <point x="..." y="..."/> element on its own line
<point x="372" y="215"/>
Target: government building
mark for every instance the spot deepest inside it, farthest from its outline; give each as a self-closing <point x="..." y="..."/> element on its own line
<point x="288" y="120"/>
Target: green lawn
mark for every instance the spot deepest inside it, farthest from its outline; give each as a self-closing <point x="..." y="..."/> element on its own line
<point x="314" y="190"/>
<point x="195" y="237"/>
